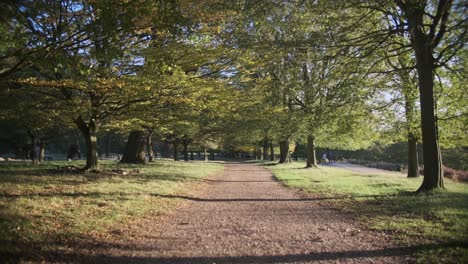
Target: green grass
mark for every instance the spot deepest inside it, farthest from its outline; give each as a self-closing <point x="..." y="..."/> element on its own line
<point x="387" y="203"/>
<point x="41" y="209"/>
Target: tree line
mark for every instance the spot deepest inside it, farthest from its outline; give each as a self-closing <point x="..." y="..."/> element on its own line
<point x="239" y="75"/>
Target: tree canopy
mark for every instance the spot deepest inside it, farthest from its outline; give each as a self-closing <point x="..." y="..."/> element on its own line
<point x="240" y="75"/>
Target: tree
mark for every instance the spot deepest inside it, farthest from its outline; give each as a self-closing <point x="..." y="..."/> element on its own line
<point x="429" y="26"/>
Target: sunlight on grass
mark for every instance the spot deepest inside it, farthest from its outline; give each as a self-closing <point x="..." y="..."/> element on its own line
<point x="387" y="203"/>
<point x="40" y="206"/>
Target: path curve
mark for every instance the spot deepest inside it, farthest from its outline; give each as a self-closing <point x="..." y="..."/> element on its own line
<point x="246" y="216"/>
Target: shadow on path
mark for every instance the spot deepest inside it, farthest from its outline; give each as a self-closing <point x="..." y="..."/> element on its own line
<point x="318" y="256"/>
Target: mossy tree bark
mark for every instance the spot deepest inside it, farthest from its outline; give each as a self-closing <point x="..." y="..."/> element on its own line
<point x="89" y="131"/>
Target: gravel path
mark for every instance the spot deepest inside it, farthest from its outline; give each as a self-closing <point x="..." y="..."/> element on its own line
<point x="246" y="216"/>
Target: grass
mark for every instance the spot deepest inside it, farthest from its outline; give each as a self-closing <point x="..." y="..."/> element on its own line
<point x="41" y="209"/>
<point x="387" y="203"/>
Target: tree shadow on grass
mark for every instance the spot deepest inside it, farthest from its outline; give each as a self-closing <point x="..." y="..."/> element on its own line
<point x="172" y="196"/>
<point x="51" y="176"/>
<point x="72" y="256"/>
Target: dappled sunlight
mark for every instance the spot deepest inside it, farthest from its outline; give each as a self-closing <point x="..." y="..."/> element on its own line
<point x="57" y="207"/>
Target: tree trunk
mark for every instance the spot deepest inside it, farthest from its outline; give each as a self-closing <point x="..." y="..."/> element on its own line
<point x="272" y="151"/>
<point x="413" y="166"/>
<point x="186" y="151"/>
<point x="212" y="154"/>
<point x="135" y="149"/>
<point x="33" y="151"/>
<point x="166" y="150"/>
<point x="433" y="176"/>
<point x="285" y="156"/>
<point x="265" y="149"/>
<point x="41" y="150"/>
<point x="176" y="150"/>
<point x="205" y="152"/>
<point x="89" y="131"/>
<point x="191" y="155"/>
<point x="311" y="157"/>
<point x="149" y="146"/>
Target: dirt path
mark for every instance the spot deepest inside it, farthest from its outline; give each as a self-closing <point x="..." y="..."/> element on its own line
<point x="246" y="216"/>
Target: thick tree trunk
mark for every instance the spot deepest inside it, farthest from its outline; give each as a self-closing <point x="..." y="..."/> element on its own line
<point x="433" y="176"/>
<point x="149" y="146"/>
<point x="285" y="156"/>
<point x="176" y="150"/>
<point x="205" y="154"/>
<point x="422" y="44"/>
<point x="413" y="166"/>
<point x="311" y="157"/>
<point x="135" y="149"/>
<point x="272" y="151"/>
<point x="89" y="131"/>
<point x="41" y="150"/>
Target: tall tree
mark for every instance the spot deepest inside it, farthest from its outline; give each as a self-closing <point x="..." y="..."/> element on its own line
<point x="430" y="25"/>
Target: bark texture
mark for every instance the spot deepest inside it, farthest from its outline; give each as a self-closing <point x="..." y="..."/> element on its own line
<point x="89" y="131"/>
<point x="41" y="150"/>
<point x="285" y="156"/>
<point x="149" y="146"/>
<point x="135" y="149"/>
<point x="423" y="46"/>
<point x="413" y="166"/>
<point x="311" y="157"/>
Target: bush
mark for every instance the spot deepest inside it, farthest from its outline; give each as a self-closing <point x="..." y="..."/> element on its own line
<point x="456" y="175"/>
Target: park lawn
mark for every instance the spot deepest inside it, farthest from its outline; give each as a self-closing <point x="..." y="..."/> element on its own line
<point x="41" y="210"/>
<point x="387" y="203"/>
